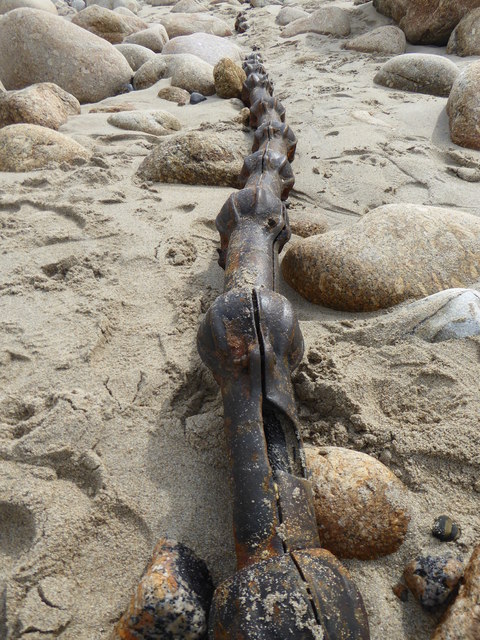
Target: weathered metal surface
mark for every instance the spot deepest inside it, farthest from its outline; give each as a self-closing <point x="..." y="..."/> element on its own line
<point x="286" y="586"/>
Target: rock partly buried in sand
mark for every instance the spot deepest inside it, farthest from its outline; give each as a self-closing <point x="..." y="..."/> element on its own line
<point x="463" y="108"/>
<point x="393" y="253"/>
<point x="172" y="600"/>
<point x="327" y="21"/>
<point x="465" y="40"/>
<point x="107" y="24"/>
<point x="289" y="14"/>
<point x="153" y="38"/>
<point x="433" y="580"/>
<point x="24" y="147"/>
<point x="419" y="72"/>
<point x="360" y="505"/>
<point x="174" y="94"/>
<point x="44" y="104"/>
<point x="184" y="24"/>
<point x="135" y="54"/>
<point x="42" y="5"/>
<point x="197" y="157"/>
<point x="209" y="48"/>
<point x="157" y="123"/>
<point x="384" y="40"/>
<point x="426" y="21"/>
<point x="307" y="225"/>
<point x="462" y="620"/>
<point x="57" y="51"/>
<point x="188" y="6"/>
<point x="457" y="316"/>
<point x="229" y="79"/>
<point x="192" y="74"/>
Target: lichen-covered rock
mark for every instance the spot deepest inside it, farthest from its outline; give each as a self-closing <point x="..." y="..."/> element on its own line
<point x="157" y="123"/>
<point x="465" y="40"/>
<point x="44" y="104"/>
<point x="433" y="580"/>
<point x="174" y="94"/>
<point x="197" y="157"/>
<point x="383" y="40"/>
<point x="107" y="24"/>
<point x="208" y="47"/>
<point x="58" y="51"/>
<point x="289" y="14"/>
<point x="360" y="505"/>
<point x="426" y="21"/>
<point x="394" y="253"/>
<point x="24" y="147"/>
<point x="419" y="72"/>
<point x="42" y="5"/>
<point x="135" y="54"/>
<point x="462" y="620"/>
<point x="326" y="21"/>
<point x="229" y="79"/>
<point x="184" y="24"/>
<point x="463" y="108"/>
<point x="153" y="38"/>
<point x="172" y="600"/>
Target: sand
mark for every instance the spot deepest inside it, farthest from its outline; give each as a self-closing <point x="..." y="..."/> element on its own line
<point x="111" y="428"/>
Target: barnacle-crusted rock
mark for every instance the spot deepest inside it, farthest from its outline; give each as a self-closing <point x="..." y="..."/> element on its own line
<point x="394" y="253"/>
<point x="463" y="108"/>
<point x="433" y="579"/>
<point x="107" y="24"/>
<point x="197" y="157"/>
<point x="360" y="505"/>
<point x="383" y="40"/>
<point x="419" y="72"/>
<point x="44" y="104"/>
<point x="229" y="79"/>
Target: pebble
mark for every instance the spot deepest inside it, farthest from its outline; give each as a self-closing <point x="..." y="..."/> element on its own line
<point x="24" y="147"/>
<point x="463" y="108"/>
<point x="433" y="580"/>
<point x="209" y="48"/>
<point x="44" y="104"/>
<point x="60" y="52"/>
<point x="360" y="505"/>
<point x="172" y="600"/>
<point x="457" y="315"/>
<point x="41" y="5"/>
<point x="393" y="253"/>
<point x="157" y="123"/>
<point x="465" y="40"/>
<point x="426" y="22"/>
<point x="383" y="40"/>
<point x="196" y="97"/>
<point x="107" y="24"/>
<point x="462" y="620"/>
<point x="184" y="24"/>
<point x="326" y="21"/>
<point x="445" y="529"/>
<point x="198" y="157"/>
<point x="174" y="94"/>
<point x="135" y="54"/>
<point x="289" y="14"/>
<point x="228" y="78"/>
<point x="153" y="38"/>
<point x="419" y="72"/>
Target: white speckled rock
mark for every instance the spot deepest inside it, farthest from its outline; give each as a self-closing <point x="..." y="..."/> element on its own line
<point x="289" y="14"/>
<point x="383" y="40"/>
<point x="326" y="21"/>
<point x="57" y="51"/>
<point x="42" y="5"/>
<point x="463" y="108"/>
<point x="135" y="54"/>
<point x="107" y="24"/>
<point x="465" y="39"/>
<point x="153" y="38"/>
<point x="206" y="46"/>
<point x="24" y="147"/>
<point x="419" y="72"/>
<point x="157" y="123"/>
<point x="184" y="24"/>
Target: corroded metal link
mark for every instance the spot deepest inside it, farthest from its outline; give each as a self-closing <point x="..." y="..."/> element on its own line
<point x="286" y="586"/>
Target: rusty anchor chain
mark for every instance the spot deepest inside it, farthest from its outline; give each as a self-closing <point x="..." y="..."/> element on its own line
<point x="286" y="586"/>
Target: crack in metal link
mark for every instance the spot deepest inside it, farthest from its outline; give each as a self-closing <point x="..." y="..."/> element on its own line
<point x="286" y="586"/>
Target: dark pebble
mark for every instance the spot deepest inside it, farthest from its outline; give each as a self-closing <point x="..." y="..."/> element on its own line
<point x="445" y="529"/>
<point x="196" y="97"/>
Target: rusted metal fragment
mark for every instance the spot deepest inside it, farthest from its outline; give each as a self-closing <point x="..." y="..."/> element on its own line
<point x="295" y="496"/>
<point x="266" y="109"/>
<point x="269" y="169"/>
<point x="278" y="136"/>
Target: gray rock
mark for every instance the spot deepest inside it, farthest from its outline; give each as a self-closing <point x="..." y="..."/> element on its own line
<point x="192" y="74"/>
<point x="326" y="21"/>
<point x="419" y="72"/>
<point x="150" y="72"/>
<point x="289" y="14"/>
<point x="188" y="6"/>
<point x="184" y="24"/>
<point x="42" y="5"/>
<point x="57" y="51"/>
<point x="123" y="11"/>
<point x="107" y="24"/>
<point x="383" y="40"/>
<point x="135" y="54"/>
<point x="448" y="315"/>
<point x="132" y="5"/>
<point x="465" y="39"/>
<point x="206" y="46"/>
<point x="153" y="38"/>
<point x="463" y="108"/>
<point x="78" y="5"/>
<point x="157" y="123"/>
